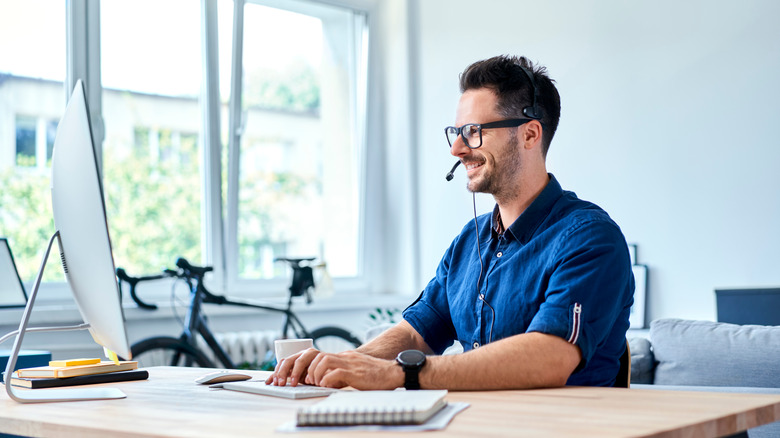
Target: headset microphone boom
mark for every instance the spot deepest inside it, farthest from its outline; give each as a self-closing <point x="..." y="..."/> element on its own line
<point x="451" y="173"/>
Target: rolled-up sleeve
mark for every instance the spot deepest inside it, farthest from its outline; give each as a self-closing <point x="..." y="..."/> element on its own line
<point x="587" y="284"/>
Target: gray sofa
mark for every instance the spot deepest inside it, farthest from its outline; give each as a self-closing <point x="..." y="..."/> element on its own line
<point x="709" y="356"/>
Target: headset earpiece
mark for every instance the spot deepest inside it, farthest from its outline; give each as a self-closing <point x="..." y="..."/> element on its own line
<point x="533" y="111"/>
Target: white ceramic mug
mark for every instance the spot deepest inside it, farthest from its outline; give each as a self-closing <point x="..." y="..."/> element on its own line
<point x="288" y="347"/>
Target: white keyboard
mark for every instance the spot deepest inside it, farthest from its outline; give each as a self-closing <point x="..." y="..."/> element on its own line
<point x="293" y="392"/>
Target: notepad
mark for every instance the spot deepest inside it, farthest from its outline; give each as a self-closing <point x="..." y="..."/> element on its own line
<point x="79" y="370"/>
<point x="73" y="362"/>
<point x="373" y="407"/>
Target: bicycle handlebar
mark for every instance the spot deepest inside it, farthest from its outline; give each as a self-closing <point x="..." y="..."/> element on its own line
<point x="187" y="272"/>
<point x="133" y="282"/>
<point x="196" y="271"/>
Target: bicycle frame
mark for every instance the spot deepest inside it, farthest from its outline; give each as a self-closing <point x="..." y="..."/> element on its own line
<point x="195" y="323"/>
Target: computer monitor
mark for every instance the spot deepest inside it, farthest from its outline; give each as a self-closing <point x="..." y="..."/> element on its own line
<point x="759" y="306"/>
<point x="85" y="248"/>
<point x="80" y="217"/>
<point x="12" y="292"/>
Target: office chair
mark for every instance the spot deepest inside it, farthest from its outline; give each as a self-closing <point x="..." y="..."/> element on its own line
<point x="623" y="379"/>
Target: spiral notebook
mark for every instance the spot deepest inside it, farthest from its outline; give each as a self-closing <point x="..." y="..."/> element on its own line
<point x="373" y="407"/>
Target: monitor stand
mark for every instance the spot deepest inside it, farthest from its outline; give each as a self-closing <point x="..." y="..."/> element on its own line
<point x="48" y="395"/>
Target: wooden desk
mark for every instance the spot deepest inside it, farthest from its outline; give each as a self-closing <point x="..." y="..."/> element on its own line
<point x="170" y="404"/>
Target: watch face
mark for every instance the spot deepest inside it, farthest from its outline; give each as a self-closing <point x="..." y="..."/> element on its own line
<point x="411" y="358"/>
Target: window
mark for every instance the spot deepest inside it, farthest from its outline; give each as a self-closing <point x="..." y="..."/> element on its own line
<point x="25" y="141"/>
<point x="34" y="141"/>
<point x="296" y="154"/>
<point x="32" y="72"/>
<point x="292" y="138"/>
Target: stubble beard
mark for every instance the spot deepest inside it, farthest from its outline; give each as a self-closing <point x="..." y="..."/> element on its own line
<point x="500" y="180"/>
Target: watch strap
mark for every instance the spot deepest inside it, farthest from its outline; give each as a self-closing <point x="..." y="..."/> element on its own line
<point x="412" y="378"/>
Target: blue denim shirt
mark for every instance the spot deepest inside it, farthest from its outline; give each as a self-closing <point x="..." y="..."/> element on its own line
<point x="561" y="268"/>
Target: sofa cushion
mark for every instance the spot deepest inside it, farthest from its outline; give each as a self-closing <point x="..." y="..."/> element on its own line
<point x="642" y="361"/>
<point x="715" y="354"/>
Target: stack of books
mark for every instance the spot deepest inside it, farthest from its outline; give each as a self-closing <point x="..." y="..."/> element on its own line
<point x="77" y="372"/>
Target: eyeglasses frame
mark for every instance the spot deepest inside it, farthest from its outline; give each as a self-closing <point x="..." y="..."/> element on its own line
<point x="507" y="123"/>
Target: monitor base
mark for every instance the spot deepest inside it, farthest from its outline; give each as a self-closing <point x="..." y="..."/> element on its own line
<point x="48" y="395"/>
<point x="63" y="395"/>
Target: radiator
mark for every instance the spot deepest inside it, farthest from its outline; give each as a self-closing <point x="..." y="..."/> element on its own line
<point x="246" y="346"/>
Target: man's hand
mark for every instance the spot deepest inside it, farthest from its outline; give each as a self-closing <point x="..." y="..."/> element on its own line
<point x="337" y="370"/>
<point x="293" y="368"/>
<point x="358" y="370"/>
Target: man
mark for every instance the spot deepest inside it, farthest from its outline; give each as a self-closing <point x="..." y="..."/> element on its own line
<point x="538" y="292"/>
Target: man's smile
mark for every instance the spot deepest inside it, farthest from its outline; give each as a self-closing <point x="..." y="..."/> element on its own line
<point x="473" y="165"/>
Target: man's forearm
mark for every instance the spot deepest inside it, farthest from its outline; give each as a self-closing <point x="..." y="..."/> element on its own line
<point x="532" y="360"/>
<point x="392" y="341"/>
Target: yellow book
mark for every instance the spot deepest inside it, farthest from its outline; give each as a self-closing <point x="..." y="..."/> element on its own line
<point x="73" y="362"/>
<point x="79" y="370"/>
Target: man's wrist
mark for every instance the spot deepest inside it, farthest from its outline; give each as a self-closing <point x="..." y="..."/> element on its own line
<point x="397" y="375"/>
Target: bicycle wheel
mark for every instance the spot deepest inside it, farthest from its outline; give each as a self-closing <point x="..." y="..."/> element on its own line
<point x="334" y="340"/>
<point x="167" y="351"/>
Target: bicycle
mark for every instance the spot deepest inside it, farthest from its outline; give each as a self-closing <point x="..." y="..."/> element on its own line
<point x="185" y="351"/>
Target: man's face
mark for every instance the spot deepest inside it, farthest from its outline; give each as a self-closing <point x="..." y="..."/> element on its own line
<point x="493" y="167"/>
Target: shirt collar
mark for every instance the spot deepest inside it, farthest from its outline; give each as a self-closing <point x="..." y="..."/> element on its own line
<point x="525" y="225"/>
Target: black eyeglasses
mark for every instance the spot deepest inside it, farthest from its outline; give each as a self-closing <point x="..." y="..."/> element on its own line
<point x="472" y="132"/>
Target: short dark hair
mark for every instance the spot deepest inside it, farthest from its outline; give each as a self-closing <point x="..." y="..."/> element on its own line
<point x="504" y="74"/>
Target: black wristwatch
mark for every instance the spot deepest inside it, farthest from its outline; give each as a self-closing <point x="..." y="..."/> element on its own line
<point x="412" y="362"/>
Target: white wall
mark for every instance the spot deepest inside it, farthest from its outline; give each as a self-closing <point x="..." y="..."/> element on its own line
<point x="669" y="122"/>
